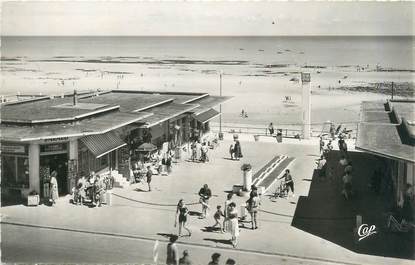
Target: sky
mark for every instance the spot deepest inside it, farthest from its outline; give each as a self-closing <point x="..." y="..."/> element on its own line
<point x="206" y="18"/>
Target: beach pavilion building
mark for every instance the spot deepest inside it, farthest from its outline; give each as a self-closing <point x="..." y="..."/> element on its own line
<point x="387" y="130"/>
<point x="78" y="133"/>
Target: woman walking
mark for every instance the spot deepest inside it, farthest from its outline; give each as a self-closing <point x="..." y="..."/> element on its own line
<point x="233" y="224"/>
<point x="253" y="206"/>
<point x="182" y="213"/>
<point x="53" y="187"/>
<point x="226" y="212"/>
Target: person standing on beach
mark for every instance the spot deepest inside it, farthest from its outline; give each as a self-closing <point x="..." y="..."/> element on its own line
<point x="172" y="251"/>
<point x="205" y="193"/>
<point x="181" y="215"/>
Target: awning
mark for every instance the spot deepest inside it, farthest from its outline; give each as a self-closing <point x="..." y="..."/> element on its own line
<point x="102" y="144"/>
<point x="207" y="115"/>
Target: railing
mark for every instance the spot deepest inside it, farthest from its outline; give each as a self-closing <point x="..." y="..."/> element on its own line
<point x="286" y="132"/>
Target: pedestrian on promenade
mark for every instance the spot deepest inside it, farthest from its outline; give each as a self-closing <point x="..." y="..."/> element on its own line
<point x="81" y="185"/>
<point x="321" y="167"/>
<point x="185" y="260"/>
<point x="53" y="187"/>
<point x="231" y="149"/>
<point x="181" y="215"/>
<point x="204" y="150"/>
<point x="149" y="175"/>
<point x="159" y="159"/>
<point x="233" y="224"/>
<point x="321" y="144"/>
<point x="349" y="168"/>
<point x="217" y="216"/>
<point x="169" y="163"/>
<point x="226" y="212"/>
<point x="347" y="186"/>
<point x="253" y="207"/>
<point x="198" y="150"/>
<point x="215" y="259"/>
<point x="237" y="149"/>
<point x="271" y="129"/>
<point x="330" y="145"/>
<point x="332" y="131"/>
<point x="172" y="251"/>
<point x="288" y="181"/>
<point x="230" y="262"/>
<point x="194" y="152"/>
<point x="205" y="193"/>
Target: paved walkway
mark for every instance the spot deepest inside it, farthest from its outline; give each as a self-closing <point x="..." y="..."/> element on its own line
<point x="150" y="215"/>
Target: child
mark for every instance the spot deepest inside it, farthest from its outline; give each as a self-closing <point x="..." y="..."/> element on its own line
<point x="231" y="151"/>
<point x="218" y="214"/>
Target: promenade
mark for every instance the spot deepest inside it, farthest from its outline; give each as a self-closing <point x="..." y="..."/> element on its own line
<point x="138" y="214"/>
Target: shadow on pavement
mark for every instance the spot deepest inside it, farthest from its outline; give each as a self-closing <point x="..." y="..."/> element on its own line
<point x="222" y="241"/>
<point x="326" y="214"/>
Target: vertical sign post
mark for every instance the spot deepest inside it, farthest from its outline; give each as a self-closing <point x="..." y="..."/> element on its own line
<point x="306" y="100"/>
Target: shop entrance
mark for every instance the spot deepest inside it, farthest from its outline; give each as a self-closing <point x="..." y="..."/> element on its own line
<point x="58" y="163"/>
<point x="54" y="157"/>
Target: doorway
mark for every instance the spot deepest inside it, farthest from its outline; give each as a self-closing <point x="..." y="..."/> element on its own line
<point x="58" y="163"/>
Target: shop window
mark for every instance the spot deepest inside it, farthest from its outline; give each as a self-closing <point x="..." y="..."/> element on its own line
<point x="15" y="171"/>
<point x="101" y="162"/>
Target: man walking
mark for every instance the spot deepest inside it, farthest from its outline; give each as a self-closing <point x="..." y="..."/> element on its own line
<point x="288" y="180"/>
<point x="205" y="193"/>
<point x="172" y="251"/>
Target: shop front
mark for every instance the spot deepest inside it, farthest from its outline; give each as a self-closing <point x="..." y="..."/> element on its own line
<point x="14" y="169"/>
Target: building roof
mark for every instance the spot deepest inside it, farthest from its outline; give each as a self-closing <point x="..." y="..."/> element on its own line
<point x="165" y="112"/>
<point x="207" y="103"/>
<point x="97" y="112"/>
<point x="387" y="133"/>
<point x="49" y="110"/>
<point x="130" y="102"/>
<point x="90" y="126"/>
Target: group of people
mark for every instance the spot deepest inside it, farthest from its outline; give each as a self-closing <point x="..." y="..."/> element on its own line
<point x="345" y="161"/>
<point x="173" y="256"/>
<point x="230" y="216"/>
<point x="235" y="149"/>
<point x="91" y="189"/>
<point x="157" y="163"/>
<point x="199" y="151"/>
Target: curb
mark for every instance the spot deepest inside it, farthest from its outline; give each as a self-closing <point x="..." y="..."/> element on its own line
<point x="180" y="243"/>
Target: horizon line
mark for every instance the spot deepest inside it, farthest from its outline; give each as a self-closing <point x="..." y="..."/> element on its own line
<point x="231" y="36"/>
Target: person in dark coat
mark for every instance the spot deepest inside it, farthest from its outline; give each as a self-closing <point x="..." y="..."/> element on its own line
<point x="237" y="150"/>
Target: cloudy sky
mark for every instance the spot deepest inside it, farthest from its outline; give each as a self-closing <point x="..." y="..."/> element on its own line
<point x="207" y="18"/>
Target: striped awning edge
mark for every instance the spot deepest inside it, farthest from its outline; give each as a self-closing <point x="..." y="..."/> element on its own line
<point x="207" y="115"/>
<point x="102" y="144"/>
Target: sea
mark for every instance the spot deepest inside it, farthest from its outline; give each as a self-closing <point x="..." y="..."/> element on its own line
<point x="259" y="73"/>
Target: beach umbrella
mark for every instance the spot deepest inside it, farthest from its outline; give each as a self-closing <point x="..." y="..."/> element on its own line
<point x="146" y="147"/>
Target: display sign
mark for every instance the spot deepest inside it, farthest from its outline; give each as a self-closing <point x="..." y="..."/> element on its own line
<point x="53" y="148"/>
<point x="57" y="139"/>
<point x="305" y="77"/>
<point x="14" y="149"/>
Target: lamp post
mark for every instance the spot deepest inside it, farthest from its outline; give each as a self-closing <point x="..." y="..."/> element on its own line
<point x="220" y="106"/>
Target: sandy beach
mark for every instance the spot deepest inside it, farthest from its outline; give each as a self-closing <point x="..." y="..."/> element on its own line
<point x="259" y="80"/>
